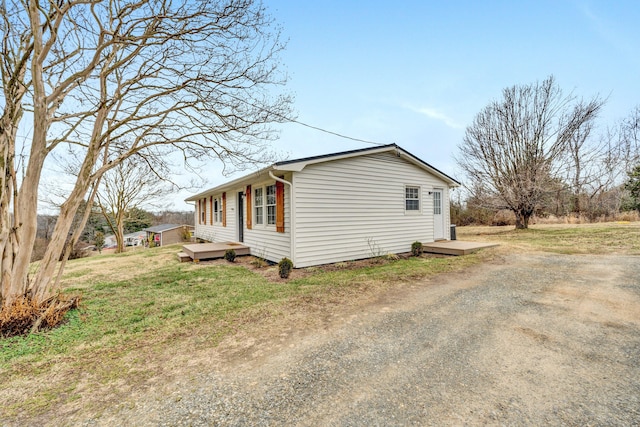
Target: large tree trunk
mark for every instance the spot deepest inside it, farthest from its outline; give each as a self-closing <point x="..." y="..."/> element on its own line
<point x="522" y="219"/>
<point x="120" y="234"/>
<point x="10" y="238"/>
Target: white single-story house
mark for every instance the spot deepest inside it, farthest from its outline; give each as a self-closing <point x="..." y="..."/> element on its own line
<point x="331" y="208"/>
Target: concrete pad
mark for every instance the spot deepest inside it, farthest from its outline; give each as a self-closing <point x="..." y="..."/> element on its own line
<point x="455" y="247"/>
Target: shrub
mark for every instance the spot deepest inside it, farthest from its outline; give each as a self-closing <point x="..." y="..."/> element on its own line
<point x="99" y="241"/>
<point x="259" y="262"/>
<point x="230" y="255"/>
<point x="284" y="267"/>
<point x="391" y="257"/>
<point x="416" y="248"/>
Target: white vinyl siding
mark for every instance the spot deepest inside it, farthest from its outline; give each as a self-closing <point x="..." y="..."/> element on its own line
<point x="216" y="232"/>
<point x="356" y="208"/>
<point x="264" y="241"/>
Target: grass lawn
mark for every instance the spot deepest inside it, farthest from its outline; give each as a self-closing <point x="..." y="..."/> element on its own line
<point x="598" y="238"/>
<point x="145" y="318"/>
<point x="143" y="312"/>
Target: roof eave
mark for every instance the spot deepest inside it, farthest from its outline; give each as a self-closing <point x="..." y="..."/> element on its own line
<point x="228" y="185"/>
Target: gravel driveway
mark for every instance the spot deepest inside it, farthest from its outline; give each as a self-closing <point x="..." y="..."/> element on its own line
<point x="534" y="339"/>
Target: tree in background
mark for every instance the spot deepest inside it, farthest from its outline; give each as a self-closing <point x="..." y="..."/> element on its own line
<point x="633" y="187"/>
<point x="137" y="219"/>
<point x="628" y="145"/>
<point x="515" y="146"/>
<point x="99" y="241"/>
<point x="125" y="187"/>
<point x="102" y="81"/>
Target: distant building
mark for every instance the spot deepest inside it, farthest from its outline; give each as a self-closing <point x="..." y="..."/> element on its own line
<point x="168" y="234"/>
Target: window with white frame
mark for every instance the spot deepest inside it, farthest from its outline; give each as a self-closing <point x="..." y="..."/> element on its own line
<point x="271" y="204"/>
<point x="412" y="199"/>
<point x="258" y="201"/>
<point x="217" y="209"/>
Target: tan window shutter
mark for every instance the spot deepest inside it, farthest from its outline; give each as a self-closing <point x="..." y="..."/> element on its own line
<point x="248" y="200"/>
<point x="279" y="207"/>
<point x="199" y="211"/>
<point x="224" y="209"/>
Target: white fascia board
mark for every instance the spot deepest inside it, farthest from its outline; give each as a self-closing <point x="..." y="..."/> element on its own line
<point x="245" y="179"/>
<point x="297" y="166"/>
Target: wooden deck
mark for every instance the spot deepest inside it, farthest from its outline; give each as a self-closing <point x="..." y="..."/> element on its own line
<point x="455" y="247"/>
<point x="202" y="251"/>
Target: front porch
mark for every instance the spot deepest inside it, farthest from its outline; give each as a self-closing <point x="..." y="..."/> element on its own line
<point x="202" y="251"/>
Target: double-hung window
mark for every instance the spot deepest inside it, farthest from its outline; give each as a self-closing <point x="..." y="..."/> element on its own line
<point x="271" y="204"/>
<point x="258" y="200"/>
<point x="412" y="199"/>
<point x="264" y="205"/>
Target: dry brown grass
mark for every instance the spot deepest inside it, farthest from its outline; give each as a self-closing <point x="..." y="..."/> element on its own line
<point x="620" y="237"/>
<point x="632" y="216"/>
<point x="26" y="315"/>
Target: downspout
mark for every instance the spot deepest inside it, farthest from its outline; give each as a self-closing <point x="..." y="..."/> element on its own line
<point x="292" y="217"/>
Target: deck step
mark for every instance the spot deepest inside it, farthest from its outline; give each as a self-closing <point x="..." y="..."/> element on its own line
<point x="204" y="251"/>
<point x="183" y="257"/>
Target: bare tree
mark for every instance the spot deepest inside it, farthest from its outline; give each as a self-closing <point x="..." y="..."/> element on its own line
<point x="515" y="144"/>
<point x="105" y="80"/>
<point x="628" y="141"/>
<point x="130" y="184"/>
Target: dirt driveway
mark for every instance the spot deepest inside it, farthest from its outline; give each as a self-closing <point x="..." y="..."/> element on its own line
<point x="529" y="340"/>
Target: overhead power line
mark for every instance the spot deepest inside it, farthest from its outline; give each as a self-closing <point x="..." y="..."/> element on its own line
<point x="335" y="133"/>
<point x="289" y="119"/>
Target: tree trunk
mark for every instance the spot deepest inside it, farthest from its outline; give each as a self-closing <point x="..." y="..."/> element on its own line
<point x="120" y="234"/>
<point x="522" y="219"/>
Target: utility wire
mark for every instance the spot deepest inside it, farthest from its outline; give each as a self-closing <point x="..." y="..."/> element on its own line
<point x="289" y="119"/>
<point x="333" y="133"/>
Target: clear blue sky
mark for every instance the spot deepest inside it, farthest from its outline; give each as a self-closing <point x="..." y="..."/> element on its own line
<point x="415" y="73"/>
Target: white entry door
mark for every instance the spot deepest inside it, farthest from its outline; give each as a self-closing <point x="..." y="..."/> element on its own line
<point x="438" y="218"/>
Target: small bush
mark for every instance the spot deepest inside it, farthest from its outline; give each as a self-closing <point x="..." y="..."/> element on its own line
<point x="284" y="267"/>
<point x="230" y="255"/>
<point x="99" y="241"/>
<point x="417" y="248"/>
<point x="391" y="257"/>
<point x="259" y="262"/>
